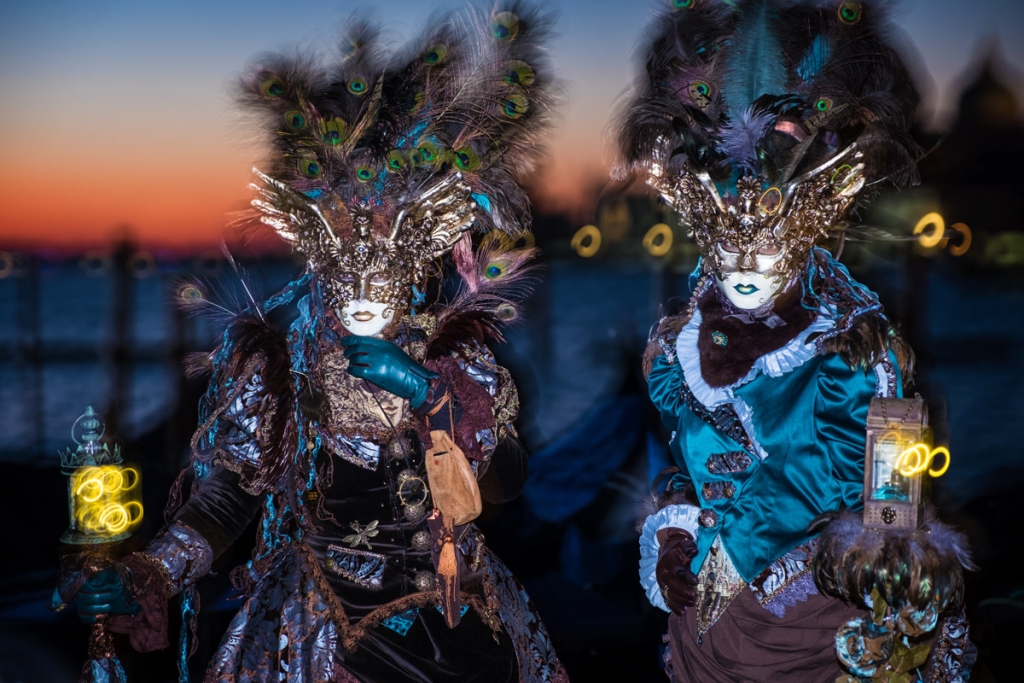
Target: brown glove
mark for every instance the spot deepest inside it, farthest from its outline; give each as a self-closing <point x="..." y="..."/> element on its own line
<point x="678" y="583"/>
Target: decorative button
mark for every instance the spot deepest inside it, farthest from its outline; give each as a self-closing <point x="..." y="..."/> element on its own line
<point x="889" y="514"/>
<point x="424" y="581"/>
<point x="421" y="541"/>
<point x="414" y="514"/>
<point x="719" y="338"/>
<point x="398" y="448"/>
<point x="707" y="518"/>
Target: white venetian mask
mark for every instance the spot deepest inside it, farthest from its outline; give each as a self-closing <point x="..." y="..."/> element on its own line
<point x="365" y="318"/>
<point x="749" y="281"/>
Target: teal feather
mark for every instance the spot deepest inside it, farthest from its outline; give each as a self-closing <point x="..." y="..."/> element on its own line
<point x="816" y="58"/>
<point x="755" y="64"/>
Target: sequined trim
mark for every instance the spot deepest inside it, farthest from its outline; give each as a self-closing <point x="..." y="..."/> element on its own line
<point x="717" y="584"/>
<point x="668" y="349"/>
<point x="723" y="418"/>
<point x="185" y="554"/>
<point x="358" y="566"/>
<point x="786" y="580"/>
<point x="716" y="490"/>
<point x="726" y="463"/>
<point x="885" y="378"/>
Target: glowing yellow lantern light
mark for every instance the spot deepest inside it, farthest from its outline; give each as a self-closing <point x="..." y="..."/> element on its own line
<point x="104" y="495"/>
<point x="586" y="241"/>
<point x="931" y="238"/>
<point x="104" y="502"/>
<point x="917" y="459"/>
<point x="893" y="463"/>
<point x="658" y="240"/>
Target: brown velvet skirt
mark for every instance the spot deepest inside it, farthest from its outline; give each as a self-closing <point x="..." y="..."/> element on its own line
<point x="748" y="643"/>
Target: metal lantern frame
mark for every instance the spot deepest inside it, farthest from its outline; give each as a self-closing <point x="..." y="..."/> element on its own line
<point x="893" y="426"/>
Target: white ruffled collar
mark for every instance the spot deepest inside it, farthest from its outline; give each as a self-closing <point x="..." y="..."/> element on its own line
<point x="774" y="364"/>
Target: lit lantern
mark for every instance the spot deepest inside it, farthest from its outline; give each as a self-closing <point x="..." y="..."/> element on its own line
<point x="897" y="436"/>
<point x="104" y="496"/>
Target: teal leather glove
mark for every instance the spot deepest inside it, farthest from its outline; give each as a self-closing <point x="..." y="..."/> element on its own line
<point x="104" y="593"/>
<point x="389" y="367"/>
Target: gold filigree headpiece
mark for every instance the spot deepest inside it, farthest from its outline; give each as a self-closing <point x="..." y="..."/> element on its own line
<point x="375" y="264"/>
<point x="792" y="218"/>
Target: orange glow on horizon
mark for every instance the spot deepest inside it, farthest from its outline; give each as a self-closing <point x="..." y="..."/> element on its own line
<point x="179" y="207"/>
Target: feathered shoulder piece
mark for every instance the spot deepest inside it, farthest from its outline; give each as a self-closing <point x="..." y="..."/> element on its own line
<point x="763" y="120"/>
<point x="381" y="161"/>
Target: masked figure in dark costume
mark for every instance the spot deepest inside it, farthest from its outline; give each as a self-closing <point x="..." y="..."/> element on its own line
<point x="761" y="123"/>
<point x="364" y="436"/>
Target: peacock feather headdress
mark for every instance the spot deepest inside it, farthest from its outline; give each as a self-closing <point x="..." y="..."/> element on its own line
<point x="381" y="162"/>
<point x="761" y="121"/>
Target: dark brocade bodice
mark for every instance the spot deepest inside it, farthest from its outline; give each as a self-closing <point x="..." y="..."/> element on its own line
<point x="372" y="547"/>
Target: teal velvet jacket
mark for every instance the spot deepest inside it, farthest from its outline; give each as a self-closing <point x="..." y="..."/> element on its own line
<point x="770" y="453"/>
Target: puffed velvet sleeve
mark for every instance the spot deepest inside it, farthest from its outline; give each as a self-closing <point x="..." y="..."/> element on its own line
<point x="840" y="415"/>
<point x="664" y="385"/>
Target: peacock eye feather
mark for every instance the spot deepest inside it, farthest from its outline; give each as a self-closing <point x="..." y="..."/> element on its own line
<point x="515" y="106"/>
<point x="294" y="120"/>
<point x="333" y="132"/>
<point x="505" y="26"/>
<point x="466" y="159"/>
<point x="495" y="270"/>
<point x="520" y="73"/>
<point x="190" y="294"/>
<point x="850" y="13"/>
<point x="435" y="54"/>
<point x="310" y="167"/>
<point x="396" y="160"/>
<point x="365" y="174"/>
<point x="357" y="86"/>
<point x="272" y="87"/>
<point x="700" y="92"/>
<point x="427" y="154"/>
<point x="823" y="104"/>
<point x="684" y="4"/>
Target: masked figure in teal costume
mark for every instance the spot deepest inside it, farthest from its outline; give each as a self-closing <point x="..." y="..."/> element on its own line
<point x="762" y="123"/>
<point x="362" y="438"/>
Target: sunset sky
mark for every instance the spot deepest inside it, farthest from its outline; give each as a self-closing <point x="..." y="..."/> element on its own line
<point x="116" y="112"/>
